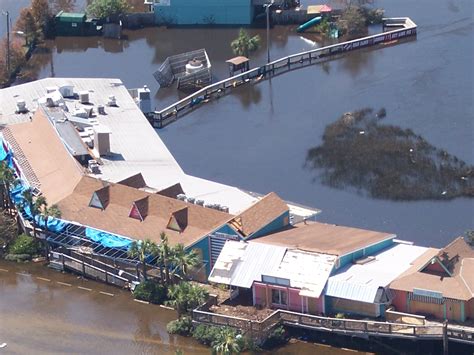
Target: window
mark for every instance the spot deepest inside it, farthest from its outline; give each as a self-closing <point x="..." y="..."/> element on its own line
<point x="74" y="24"/>
<point x="279" y="297"/>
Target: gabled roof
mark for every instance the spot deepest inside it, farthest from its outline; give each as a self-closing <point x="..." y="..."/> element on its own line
<point x="325" y="238"/>
<point x="139" y="209"/>
<point x="459" y="286"/>
<point x="43" y="157"/>
<point x="137" y="181"/>
<point x="178" y="220"/>
<point x="115" y="217"/>
<point x="100" y="198"/>
<point x="172" y="191"/>
<point x="259" y="215"/>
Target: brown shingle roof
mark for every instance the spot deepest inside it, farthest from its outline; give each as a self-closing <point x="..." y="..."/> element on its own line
<point x="459" y="286"/>
<point x="172" y="191"/>
<point x="57" y="171"/>
<point x="259" y="214"/>
<point x="137" y="181"/>
<point x="325" y="238"/>
<point x="115" y="218"/>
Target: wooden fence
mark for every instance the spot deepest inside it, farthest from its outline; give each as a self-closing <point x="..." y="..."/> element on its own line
<point x="169" y="114"/>
<point x="335" y="325"/>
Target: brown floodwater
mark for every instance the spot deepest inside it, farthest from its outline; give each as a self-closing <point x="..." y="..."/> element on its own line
<point x="43" y="311"/>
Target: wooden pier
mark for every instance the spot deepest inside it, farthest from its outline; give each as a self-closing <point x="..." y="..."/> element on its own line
<point x="349" y="327"/>
<point x="399" y="28"/>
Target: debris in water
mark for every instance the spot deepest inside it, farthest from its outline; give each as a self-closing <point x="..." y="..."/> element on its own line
<point x="359" y="152"/>
<point x="3" y="345"/>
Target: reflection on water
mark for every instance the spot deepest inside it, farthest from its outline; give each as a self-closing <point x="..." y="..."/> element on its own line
<point x="361" y="152"/>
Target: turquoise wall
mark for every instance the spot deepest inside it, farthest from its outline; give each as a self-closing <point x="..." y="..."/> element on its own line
<point x="205" y="12"/>
<point x="278" y="223"/>
<point x="203" y="245"/>
<point x="349" y="258"/>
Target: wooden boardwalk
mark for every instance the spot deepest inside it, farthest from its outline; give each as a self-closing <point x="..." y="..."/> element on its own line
<point x="351" y="327"/>
<point x="400" y="28"/>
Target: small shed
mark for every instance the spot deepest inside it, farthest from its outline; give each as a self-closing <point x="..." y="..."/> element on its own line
<point x="319" y="9"/>
<point x="76" y="24"/>
<point x="238" y="63"/>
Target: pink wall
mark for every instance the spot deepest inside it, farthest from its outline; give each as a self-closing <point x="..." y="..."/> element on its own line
<point x="295" y="300"/>
<point x="400" y="301"/>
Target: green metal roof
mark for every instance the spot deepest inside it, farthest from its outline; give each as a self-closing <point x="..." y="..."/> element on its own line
<point x="71" y="16"/>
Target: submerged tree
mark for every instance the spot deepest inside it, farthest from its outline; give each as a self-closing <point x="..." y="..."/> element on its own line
<point x="184" y="260"/>
<point x="7" y="179"/>
<point x="387" y="161"/>
<point x="8" y="229"/>
<point x="352" y="22"/>
<point x="227" y="342"/>
<point x="244" y="44"/>
<point x="26" y="23"/>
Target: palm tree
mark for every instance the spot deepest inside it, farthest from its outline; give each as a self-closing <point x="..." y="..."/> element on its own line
<point x="227" y="343"/>
<point x="142" y="249"/>
<point x="47" y="212"/>
<point x="185" y="296"/>
<point x="29" y="201"/>
<point x="183" y="260"/>
<point x="7" y="178"/>
<point x="244" y="44"/>
<point x="165" y="255"/>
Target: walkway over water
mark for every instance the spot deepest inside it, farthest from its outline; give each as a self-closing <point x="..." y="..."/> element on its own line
<point x="404" y="28"/>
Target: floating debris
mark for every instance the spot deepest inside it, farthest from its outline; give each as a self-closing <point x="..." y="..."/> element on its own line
<point x="385" y="161"/>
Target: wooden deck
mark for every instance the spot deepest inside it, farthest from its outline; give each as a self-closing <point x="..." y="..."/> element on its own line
<point x="404" y="28"/>
<point x="351" y="327"/>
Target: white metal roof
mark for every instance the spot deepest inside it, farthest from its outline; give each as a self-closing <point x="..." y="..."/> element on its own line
<point x="361" y="282"/>
<point x="240" y="264"/>
<point x="307" y="271"/>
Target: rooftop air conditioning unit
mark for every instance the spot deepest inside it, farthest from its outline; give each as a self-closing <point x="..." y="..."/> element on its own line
<point x="101" y="109"/>
<point x="21" y="106"/>
<point x="67" y="90"/>
<point x="200" y="202"/>
<point x="191" y="199"/>
<point x="225" y="209"/>
<point x="84" y="97"/>
<point x="112" y="101"/>
<point x="81" y="112"/>
<point x="51" y="89"/>
<point x="181" y="197"/>
<point x="93" y="166"/>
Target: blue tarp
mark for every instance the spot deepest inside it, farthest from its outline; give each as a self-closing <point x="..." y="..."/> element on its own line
<point x="53" y="225"/>
<point x="3" y="152"/>
<point x="107" y="240"/>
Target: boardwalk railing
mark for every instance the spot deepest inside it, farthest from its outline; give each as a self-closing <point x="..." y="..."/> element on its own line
<point x="403" y="27"/>
<point x="335" y="325"/>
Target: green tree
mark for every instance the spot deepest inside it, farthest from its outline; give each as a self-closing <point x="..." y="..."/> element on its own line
<point x="7" y="179"/>
<point x="165" y="256"/>
<point x="41" y="13"/>
<point x="183" y="261"/>
<point x="141" y="250"/>
<point x="8" y="230"/>
<point x="352" y="22"/>
<point x="108" y="8"/>
<point x="244" y="44"/>
<point x="469" y="236"/>
<point x="184" y="297"/>
<point x="227" y="342"/>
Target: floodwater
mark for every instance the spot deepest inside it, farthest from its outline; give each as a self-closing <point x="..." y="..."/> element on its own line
<point x="258" y="137"/>
<point x="43" y="311"/>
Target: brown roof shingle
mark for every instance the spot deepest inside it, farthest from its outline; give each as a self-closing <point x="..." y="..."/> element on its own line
<point x="325" y="238"/>
<point x="57" y="171"/>
<point x="260" y="214"/>
<point x="115" y="217"/>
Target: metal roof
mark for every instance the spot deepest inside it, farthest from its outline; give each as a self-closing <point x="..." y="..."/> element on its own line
<point x="240" y="264"/>
<point x="360" y="282"/>
<point x="307" y="271"/>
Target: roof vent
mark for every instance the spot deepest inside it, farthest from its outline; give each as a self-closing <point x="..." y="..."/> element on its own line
<point x="51" y="89"/>
<point x="84" y="97"/>
<point x="21" y="106"/>
<point x="101" y="109"/>
<point x="67" y="90"/>
<point x="191" y="200"/>
<point x="93" y="167"/>
<point x="49" y="101"/>
<point x="181" y="197"/>
<point x="200" y="202"/>
<point x="112" y="101"/>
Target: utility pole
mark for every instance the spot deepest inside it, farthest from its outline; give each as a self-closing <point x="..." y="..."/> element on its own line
<point x="267" y="9"/>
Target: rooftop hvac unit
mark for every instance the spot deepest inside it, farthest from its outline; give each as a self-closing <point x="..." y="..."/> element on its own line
<point x="191" y="199"/>
<point x="217" y="207"/>
<point x="225" y="209"/>
<point x="80" y="113"/>
<point x="102" y="140"/>
<point x="112" y="101"/>
<point x="181" y="197"/>
<point x="49" y="101"/>
<point x="200" y="202"/>
<point x="84" y="97"/>
<point x="51" y="89"/>
<point x="89" y="111"/>
<point x="101" y="109"/>
<point x="67" y="90"/>
<point x="21" y="106"/>
<point x="63" y="106"/>
<point x="208" y="205"/>
<point x="93" y="166"/>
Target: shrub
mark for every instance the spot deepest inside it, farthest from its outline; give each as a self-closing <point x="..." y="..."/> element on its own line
<point x="24" y="244"/>
<point x="206" y="334"/>
<point x="150" y="291"/>
<point x="184" y="297"/>
<point x="18" y="257"/>
<point x="340" y="316"/>
<point x="276" y="338"/>
<point x="107" y="8"/>
<point x="182" y="326"/>
<point x="8" y="229"/>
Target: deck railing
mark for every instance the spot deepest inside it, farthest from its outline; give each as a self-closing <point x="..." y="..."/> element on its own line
<point x="335" y="325"/>
<point x="169" y="114"/>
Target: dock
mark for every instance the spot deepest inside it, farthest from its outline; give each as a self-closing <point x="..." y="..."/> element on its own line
<point x="398" y="28"/>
